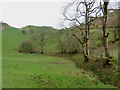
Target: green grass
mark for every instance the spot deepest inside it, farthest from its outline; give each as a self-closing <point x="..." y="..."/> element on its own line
<point x="40" y="71"/>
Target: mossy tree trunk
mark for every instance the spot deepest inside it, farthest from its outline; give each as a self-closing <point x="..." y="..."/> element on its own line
<point x="105" y="34"/>
<point x="86" y="30"/>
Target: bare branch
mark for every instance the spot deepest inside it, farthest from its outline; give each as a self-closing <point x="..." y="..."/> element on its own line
<point x="78" y="39"/>
<point x="73" y="19"/>
<point x="92" y="33"/>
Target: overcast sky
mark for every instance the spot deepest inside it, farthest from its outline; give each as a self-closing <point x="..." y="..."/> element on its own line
<point x="19" y="13"/>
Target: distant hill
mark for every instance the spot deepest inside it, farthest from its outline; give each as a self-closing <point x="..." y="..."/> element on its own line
<point x="4" y="25"/>
<point x="112" y="20"/>
<point x="31" y="27"/>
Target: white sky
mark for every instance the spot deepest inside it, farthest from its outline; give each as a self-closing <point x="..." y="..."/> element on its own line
<point x="19" y="13"/>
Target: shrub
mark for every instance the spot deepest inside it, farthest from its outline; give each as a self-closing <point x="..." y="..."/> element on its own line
<point x="26" y="47"/>
<point x="98" y="43"/>
<point x="23" y="31"/>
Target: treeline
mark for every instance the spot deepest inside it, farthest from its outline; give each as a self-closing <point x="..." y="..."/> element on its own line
<point x="47" y="39"/>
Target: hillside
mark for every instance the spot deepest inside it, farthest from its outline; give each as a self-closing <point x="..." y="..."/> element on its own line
<point x="55" y="39"/>
<point x="40" y="71"/>
<point x="3" y="25"/>
<point x="82" y="54"/>
<point x="112" y="20"/>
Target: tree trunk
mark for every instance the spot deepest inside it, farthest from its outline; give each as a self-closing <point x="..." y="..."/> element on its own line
<point x="41" y="45"/>
<point x="83" y="47"/>
<point x="86" y="31"/>
<point x="84" y="53"/>
<point x="105" y="34"/>
<point x="115" y="34"/>
<point x="88" y="38"/>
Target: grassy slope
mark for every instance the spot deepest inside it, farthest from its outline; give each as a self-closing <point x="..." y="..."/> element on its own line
<point x="30" y="71"/>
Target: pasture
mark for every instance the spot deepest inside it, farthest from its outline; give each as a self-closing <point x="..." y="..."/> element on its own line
<point x="40" y="71"/>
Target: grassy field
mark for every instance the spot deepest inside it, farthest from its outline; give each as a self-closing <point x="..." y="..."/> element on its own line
<point x="40" y="71"/>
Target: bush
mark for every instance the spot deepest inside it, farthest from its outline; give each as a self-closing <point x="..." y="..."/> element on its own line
<point x="98" y="43"/>
<point x="23" y="31"/>
<point x="26" y="47"/>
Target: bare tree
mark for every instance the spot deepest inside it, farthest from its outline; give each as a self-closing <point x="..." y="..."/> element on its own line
<point x="84" y="12"/>
<point x="104" y="8"/>
<point x="62" y="42"/>
<point x="39" y="39"/>
<point x="72" y="43"/>
<point x="42" y="41"/>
